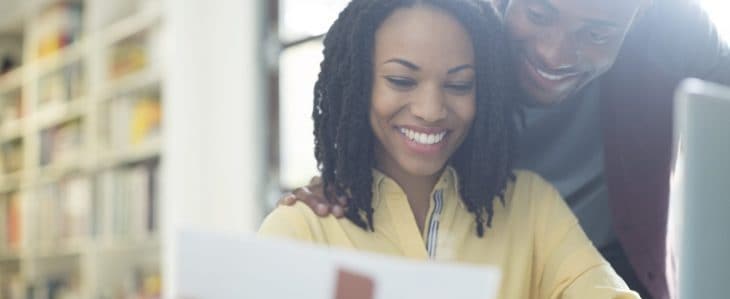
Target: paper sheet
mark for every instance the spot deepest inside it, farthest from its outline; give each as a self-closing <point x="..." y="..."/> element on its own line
<point x="212" y="266"/>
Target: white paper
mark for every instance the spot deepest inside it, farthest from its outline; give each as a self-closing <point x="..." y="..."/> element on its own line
<point x="211" y="266"/>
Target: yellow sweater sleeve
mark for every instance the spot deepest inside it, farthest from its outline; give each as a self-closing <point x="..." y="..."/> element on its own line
<point x="569" y="266"/>
<point x="287" y="222"/>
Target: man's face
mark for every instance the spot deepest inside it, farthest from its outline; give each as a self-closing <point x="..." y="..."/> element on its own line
<point x="560" y="46"/>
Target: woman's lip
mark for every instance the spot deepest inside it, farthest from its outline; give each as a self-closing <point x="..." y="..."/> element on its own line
<point x="424" y="149"/>
<point x="425" y="130"/>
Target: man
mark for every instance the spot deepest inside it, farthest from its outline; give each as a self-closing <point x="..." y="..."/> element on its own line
<point x="599" y="78"/>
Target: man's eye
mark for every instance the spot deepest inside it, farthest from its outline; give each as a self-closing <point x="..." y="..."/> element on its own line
<point x="538" y="17"/>
<point x="401" y="82"/>
<point x="598" y="37"/>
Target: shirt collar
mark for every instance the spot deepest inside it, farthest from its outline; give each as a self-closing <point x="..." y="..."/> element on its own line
<point x="384" y="186"/>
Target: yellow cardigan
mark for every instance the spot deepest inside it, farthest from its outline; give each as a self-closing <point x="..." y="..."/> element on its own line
<point x="534" y="239"/>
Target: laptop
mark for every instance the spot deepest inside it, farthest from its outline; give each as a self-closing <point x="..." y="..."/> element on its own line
<point x="699" y="212"/>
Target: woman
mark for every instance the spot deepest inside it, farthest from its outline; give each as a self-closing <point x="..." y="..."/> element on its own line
<point x="413" y="122"/>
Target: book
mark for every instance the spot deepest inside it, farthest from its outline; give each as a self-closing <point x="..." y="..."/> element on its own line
<point x="11" y="52"/>
<point x="77" y="202"/>
<point x="58" y="286"/>
<point x="64" y="212"/>
<point x="12" y="155"/>
<point x="145" y="120"/>
<point x="61" y="143"/>
<point x="12" y="286"/>
<point x="4" y="246"/>
<point x="13" y="217"/>
<point x="127" y="203"/>
<point x="12" y="105"/>
<point x="128" y="56"/>
<point x="134" y="120"/>
<point x="64" y="85"/>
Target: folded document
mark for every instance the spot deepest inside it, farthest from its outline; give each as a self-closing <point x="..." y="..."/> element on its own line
<point x="213" y="266"/>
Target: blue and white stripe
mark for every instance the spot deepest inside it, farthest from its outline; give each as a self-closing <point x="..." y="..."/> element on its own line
<point x="433" y="228"/>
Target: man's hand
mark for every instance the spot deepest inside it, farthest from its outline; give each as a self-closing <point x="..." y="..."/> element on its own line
<point x="313" y="196"/>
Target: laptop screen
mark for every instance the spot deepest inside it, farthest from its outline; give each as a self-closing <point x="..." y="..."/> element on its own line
<point x="699" y="216"/>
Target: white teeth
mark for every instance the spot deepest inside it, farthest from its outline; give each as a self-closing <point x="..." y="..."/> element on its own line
<point x="423" y="138"/>
<point x="549" y="76"/>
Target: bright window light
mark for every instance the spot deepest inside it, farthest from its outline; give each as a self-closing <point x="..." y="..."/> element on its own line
<point x="304" y="18"/>
<point x="719" y="12"/>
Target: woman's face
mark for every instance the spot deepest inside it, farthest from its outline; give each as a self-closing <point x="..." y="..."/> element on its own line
<point x="424" y="90"/>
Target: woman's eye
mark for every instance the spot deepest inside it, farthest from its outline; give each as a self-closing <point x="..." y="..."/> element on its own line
<point x="461" y="87"/>
<point x="401" y="82"/>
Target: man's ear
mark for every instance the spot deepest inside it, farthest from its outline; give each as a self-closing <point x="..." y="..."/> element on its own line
<point x="500" y="6"/>
<point x="645" y="6"/>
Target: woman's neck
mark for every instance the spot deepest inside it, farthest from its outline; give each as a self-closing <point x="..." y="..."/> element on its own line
<point x="417" y="189"/>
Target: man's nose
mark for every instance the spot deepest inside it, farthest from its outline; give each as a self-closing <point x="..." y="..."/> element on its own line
<point x="558" y="51"/>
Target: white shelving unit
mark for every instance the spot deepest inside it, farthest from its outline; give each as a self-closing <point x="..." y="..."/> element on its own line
<point x="211" y="153"/>
<point x="95" y="261"/>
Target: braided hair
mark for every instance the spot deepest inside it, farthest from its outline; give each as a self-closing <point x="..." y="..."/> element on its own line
<point x="344" y="141"/>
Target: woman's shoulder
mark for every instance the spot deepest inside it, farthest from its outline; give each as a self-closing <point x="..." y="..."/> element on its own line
<point x="532" y="185"/>
<point x="531" y="193"/>
<point x="293" y="221"/>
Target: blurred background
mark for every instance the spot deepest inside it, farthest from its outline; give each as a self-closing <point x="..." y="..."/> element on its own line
<point x="124" y="121"/>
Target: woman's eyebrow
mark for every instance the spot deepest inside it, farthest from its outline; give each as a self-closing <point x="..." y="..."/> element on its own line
<point x="403" y="62"/>
<point x="460" y="68"/>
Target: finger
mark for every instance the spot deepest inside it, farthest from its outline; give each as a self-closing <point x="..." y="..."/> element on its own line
<point x="316" y="180"/>
<point x="288" y="199"/>
<point x="322" y="210"/>
<point x="305" y="189"/>
<point x="301" y="192"/>
<point x="342" y="200"/>
<point x="338" y="211"/>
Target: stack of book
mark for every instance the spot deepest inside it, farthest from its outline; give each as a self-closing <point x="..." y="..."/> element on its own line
<point x="128" y="202"/>
<point x="61" y="143"/>
<point x="63" y="85"/>
<point x="134" y="120"/>
<point x="64" y="212"/>
<point x="57" y="27"/>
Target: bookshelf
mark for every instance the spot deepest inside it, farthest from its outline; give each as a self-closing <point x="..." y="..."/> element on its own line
<point x="80" y="149"/>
